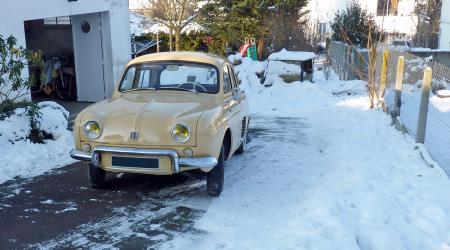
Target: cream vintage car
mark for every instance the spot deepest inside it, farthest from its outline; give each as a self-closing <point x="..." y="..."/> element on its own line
<point x="171" y="112"/>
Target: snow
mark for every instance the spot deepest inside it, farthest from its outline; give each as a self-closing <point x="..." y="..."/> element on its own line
<point x="420" y="49"/>
<point x="141" y="25"/>
<point x="442" y="104"/>
<point x="339" y="176"/>
<point x="20" y="157"/>
<point x="285" y="55"/>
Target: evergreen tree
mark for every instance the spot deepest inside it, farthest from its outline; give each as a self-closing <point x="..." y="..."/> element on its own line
<point x="276" y="22"/>
<point x="353" y="26"/>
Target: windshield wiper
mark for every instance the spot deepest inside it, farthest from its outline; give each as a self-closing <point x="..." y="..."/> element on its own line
<point x="180" y="89"/>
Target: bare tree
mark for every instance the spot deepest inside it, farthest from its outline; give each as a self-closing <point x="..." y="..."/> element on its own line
<point x="175" y="14"/>
<point x="375" y="89"/>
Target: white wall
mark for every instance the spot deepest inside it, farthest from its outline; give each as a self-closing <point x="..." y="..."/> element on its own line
<point x="324" y="12"/>
<point x="444" y="40"/>
<point x="13" y="13"/>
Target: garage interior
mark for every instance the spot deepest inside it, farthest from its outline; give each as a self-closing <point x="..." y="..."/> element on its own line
<point x="77" y="55"/>
<point x="55" y="78"/>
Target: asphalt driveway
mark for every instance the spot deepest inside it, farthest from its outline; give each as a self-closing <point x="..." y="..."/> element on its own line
<point x="59" y="210"/>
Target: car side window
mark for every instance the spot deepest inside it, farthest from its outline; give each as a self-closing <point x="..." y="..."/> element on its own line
<point x="128" y="80"/>
<point x="233" y="78"/>
<point x="227" y="85"/>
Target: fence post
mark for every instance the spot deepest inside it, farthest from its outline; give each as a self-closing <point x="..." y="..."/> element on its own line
<point x="423" y="110"/>
<point x="354" y="64"/>
<point x="383" y="76"/>
<point x="362" y="66"/>
<point x="398" y="87"/>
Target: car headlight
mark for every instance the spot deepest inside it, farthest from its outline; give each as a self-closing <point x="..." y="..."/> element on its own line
<point x="92" y="130"/>
<point x="180" y="133"/>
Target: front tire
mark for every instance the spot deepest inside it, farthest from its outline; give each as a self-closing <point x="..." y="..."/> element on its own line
<point x="215" y="177"/>
<point x="96" y="176"/>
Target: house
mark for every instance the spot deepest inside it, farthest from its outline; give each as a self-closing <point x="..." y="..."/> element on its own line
<point x="444" y="39"/>
<point x="91" y="36"/>
<point x="394" y="16"/>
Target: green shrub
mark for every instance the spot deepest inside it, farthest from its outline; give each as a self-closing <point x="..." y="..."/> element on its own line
<point x="14" y="87"/>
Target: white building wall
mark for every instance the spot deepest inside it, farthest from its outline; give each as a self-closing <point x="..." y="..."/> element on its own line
<point x="405" y="22"/>
<point x="444" y="40"/>
<point x="13" y="13"/>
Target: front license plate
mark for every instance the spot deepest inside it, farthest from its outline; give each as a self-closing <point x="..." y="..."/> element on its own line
<point x="131" y="162"/>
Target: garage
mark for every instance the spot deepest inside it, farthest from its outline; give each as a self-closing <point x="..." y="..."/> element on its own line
<point x="82" y="55"/>
<point x="74" y="54"/>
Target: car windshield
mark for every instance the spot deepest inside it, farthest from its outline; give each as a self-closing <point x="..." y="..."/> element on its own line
<point x="175" y="76"/>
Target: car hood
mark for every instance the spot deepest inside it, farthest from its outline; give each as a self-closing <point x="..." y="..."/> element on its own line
<point x="150" y="113"/>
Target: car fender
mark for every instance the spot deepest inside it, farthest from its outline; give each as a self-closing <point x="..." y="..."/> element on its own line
<point x="211" y="129"/>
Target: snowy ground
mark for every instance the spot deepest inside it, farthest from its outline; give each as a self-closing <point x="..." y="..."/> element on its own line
<point x="342" y="178"/>
<point x="20" y="157"/>
<point x="322" y="172"/>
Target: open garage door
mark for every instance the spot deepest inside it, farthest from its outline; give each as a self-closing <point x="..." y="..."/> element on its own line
<point x="87" y="41"/>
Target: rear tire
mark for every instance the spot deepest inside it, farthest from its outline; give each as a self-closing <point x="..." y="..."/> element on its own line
<point x="215" y="177"/>
<point x="96" y="176"/>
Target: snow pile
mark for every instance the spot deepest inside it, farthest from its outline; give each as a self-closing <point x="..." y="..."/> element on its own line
<point x="442" y="104"/>
<point x="285" y="55"/>
<point x="248" y="71"/>
<point x="346" y="179"/>
<point x="278" y="68"/>
<point x="22" y="158"/>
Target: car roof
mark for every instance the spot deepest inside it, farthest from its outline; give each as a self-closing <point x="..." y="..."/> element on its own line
<point x="181" y="56"/>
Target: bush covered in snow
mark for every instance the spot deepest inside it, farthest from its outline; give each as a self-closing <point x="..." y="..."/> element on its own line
<point x="44" y="122"/>
<point x="34" y="122"/>
<point x="20" y="119"/>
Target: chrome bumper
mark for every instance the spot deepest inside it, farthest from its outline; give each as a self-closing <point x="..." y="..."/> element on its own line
<point x="178" y="163"/>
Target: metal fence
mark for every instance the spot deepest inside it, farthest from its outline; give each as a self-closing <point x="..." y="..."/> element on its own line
<point x="348" y="61"/>
<point x="437" y="133"/>
<point x="429" y="40"/>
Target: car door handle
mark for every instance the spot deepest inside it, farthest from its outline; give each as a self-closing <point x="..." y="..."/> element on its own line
<point x="228" y="105"/>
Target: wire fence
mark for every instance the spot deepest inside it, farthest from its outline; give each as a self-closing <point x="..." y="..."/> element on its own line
<point x="437" y="133"/>
<point x="347" y="61"/>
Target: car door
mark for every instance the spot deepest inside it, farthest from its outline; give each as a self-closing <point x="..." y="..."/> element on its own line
<point x="241" y="107"/>
<point x="231" y="107"/>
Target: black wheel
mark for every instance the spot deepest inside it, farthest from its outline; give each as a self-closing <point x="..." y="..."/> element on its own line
<point x="65" y="91"/>
<point x="215" y="177"/>
<point x="96" y="176"/>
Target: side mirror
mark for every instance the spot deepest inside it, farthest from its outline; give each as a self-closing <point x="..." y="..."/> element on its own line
<point x="236" y="94"/>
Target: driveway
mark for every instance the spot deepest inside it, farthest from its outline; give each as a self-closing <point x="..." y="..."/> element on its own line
<point x="59" y="210"/>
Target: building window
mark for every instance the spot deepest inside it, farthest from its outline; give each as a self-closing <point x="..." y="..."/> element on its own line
<point x="62" y="20"/>
<point x="387" y="8"/>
